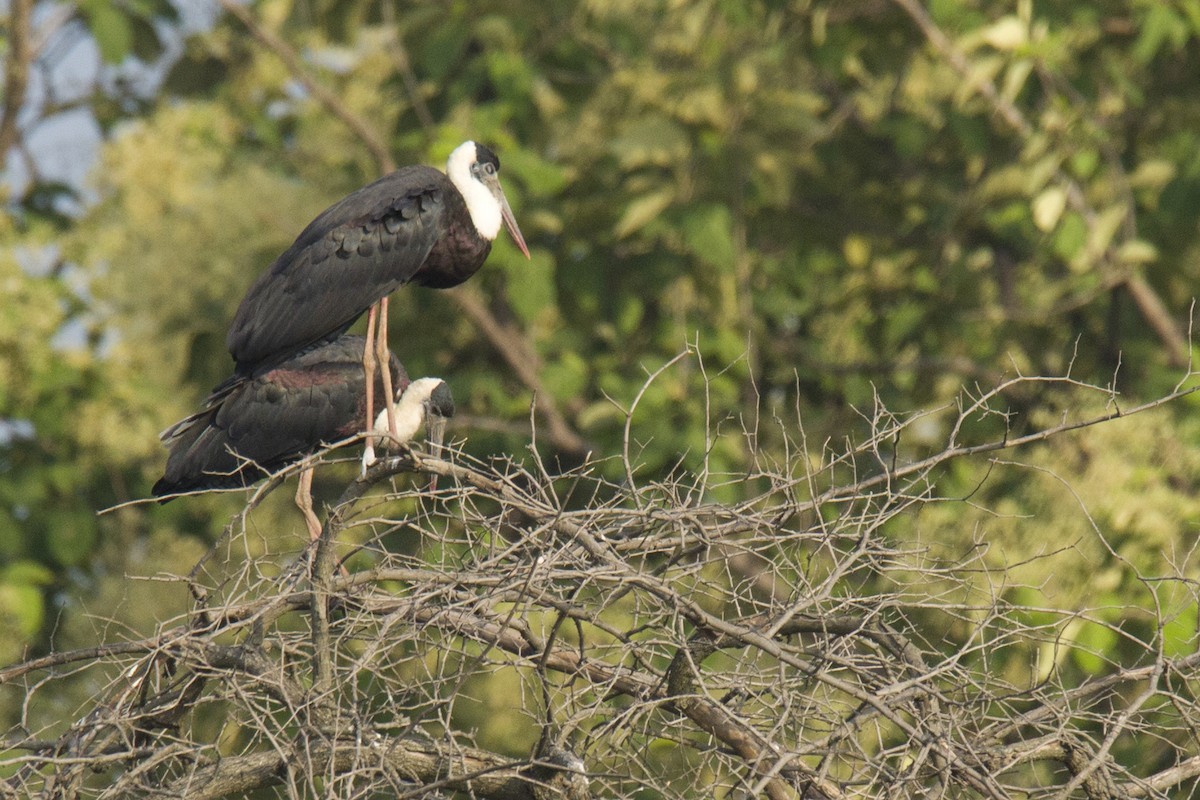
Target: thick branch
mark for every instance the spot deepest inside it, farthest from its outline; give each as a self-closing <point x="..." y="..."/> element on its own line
<point x="479" y="772"/>
<point x="1073" y="752"/>
<point x="1161" y="782"/>
<point x="16" y="73"/>
<point x="718" y="721"/>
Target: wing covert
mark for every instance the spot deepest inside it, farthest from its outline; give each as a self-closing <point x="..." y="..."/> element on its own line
<point x="358" y="251"/>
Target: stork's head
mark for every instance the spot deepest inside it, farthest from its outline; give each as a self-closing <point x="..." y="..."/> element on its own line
<point x="425" y="400"/>
<point x="475" y="172"/>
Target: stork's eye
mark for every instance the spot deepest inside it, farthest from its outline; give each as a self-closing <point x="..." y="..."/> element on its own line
<point x="490" y="169"/>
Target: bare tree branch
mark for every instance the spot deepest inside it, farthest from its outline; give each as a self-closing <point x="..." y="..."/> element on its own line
<point x="476" y="771"/>
<point x="16" y="72"/>
<point x="873" y="667"/>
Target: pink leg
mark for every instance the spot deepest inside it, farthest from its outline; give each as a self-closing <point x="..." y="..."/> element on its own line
<point x="305" y="504"/>
<point x="369" y="375"/>
<point x="381" y="354"/>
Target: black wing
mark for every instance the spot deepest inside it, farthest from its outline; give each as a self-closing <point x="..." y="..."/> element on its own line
<point x="260" y="425"/>
<point x="356" y="252"/>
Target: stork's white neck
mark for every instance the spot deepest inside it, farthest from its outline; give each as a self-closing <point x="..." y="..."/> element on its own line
<point x="481" y="203"/>
<point x="409" y="409"/>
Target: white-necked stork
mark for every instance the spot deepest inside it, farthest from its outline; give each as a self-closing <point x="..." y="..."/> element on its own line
<point x="416" y="225"/>
<point x="256" y="426"/>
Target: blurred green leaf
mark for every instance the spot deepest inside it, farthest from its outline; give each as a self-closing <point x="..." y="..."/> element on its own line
<point x="650" y="141"/>
<point x="1093" y="647"/>
<point x="641" y="211"/>
<point x="536" y="293"/>
<point x="1161" y="27"/>
<point x="1070" y="236"/>
<point x="1136" y="251"/>
<point x="1048" y="207"/>
<point x="1179" y="634"/>
<point x="708" y="232"/>
<point x="112" y="29"/>
<point x="1006" y="33"/>
<point x="27" y="572"/>
<point x="22" y="611"/>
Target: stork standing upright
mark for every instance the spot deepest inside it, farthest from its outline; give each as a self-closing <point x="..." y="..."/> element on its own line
<point x="256" y="426"/>
<point x="416" y="225"/>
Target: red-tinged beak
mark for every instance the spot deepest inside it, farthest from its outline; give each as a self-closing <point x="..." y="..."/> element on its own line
<point x="506" y="214"/>
<point x="510" y="222"/>
<point x="435" y="434"/>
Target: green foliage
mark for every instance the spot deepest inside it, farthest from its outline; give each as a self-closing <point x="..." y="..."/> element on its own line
<point x="122" y="28"/>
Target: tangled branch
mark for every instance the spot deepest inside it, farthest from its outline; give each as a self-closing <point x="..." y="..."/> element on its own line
<point x="629" y="635"/>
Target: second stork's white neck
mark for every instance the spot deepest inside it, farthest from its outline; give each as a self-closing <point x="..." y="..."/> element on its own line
<point x="409" y="409"/>
<point x="481" y="203"/>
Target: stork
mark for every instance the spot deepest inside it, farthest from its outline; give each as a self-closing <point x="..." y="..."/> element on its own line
<point x="256" y="426"/>
<point x="416" y="225"/>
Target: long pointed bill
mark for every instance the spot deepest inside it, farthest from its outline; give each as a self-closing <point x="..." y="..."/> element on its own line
<point x="510" y="221"/>
<point x="435" y="433"/>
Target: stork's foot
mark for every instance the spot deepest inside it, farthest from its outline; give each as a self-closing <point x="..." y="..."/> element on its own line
<point x="393" y="447"/>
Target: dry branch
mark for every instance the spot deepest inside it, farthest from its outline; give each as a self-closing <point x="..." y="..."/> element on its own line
<point x="16" y="72"/>
<point x="629" y="633"/>
<point x="422" y="763"/>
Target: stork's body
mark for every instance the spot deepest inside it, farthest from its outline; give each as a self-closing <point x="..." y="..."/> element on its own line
<point x="255" y="426"/>
<point x="416" y="225"/>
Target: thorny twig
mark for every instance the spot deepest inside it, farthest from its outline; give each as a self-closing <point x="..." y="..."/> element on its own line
<point x="817" y="689"/>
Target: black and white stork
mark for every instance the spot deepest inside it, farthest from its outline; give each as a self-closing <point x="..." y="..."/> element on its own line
<point x="256" y="426"/>
<point x="416" y="225"/>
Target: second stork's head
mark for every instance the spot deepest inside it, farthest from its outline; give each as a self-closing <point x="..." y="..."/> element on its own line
<point x="425" y="400"/>
<point x="475" y="172"/>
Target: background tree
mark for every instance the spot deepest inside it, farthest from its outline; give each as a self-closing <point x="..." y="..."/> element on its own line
<point x="845" y="210"/>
